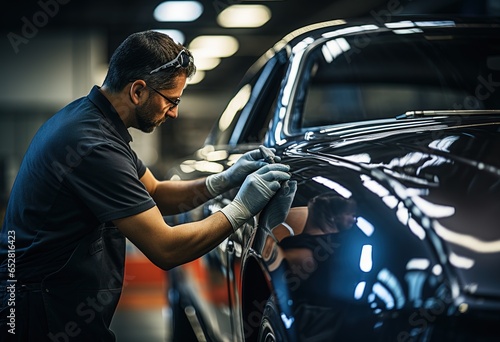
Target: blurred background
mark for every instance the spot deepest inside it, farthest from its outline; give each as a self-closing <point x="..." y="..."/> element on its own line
<point x="54" y="51"/>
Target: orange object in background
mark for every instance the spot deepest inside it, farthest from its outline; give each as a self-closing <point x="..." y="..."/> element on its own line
<point x="144" y="284"/>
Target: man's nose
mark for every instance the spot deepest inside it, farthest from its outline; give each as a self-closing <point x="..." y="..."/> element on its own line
<point x="173" y="113"/>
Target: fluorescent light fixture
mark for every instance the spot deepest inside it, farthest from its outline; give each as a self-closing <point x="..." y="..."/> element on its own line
<point x="333" y="48"/>
<point x="402" y="214"/>
<point x="365" y="226"/>
<point x="333" y="185"/>
<point x="214" y="46"/>
<point x="244" y="16"/>
<point x="374" y="186"/>
<point x="437" y="270"/>
<point x="400" y="24"/>
<point x="217" y="155"/>
<point x="365" y="261"/>
<point x="391" y="282"/>
<point x="206" y="166"/>
<point x="418" y="264"/>
<point x="360" y="288"/>
<point x="408" y="31"/>
<point x="384" y="295"/>
<point x="435" y="23"/>
<point x="349" y="30"/>
<point x="433" y="210"/>
<point x="460" y="261"/>
<point x="176" y="35"/>
<point x="416" y="228"/>
<point x="390" y="201"/>
<point x="196" y="78"/>
<point x="467" y="241"/>
<point x="205" y="63"/>
<point x="177" y="11"/>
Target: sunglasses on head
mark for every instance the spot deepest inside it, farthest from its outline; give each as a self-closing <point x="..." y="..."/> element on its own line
<point x="181" y="61"/>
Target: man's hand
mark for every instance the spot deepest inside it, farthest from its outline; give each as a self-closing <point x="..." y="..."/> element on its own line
<point x="278" y="207"/>
<point x="258" y="188"/>
<point x="236" y="174"/>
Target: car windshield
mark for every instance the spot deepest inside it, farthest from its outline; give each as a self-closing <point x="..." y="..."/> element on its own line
<point x="354" y="79"/>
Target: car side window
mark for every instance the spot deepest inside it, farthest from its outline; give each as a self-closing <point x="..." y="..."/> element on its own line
<point x="254" y="126"/>
<point x="248" y="114"/>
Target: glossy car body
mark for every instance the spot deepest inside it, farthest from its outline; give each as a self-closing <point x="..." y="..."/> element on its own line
<point x="401" y="116"/>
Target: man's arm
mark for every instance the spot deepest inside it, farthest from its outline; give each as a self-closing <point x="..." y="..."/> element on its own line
<point x="173" y="197"/>
<point x="168" y="246"/>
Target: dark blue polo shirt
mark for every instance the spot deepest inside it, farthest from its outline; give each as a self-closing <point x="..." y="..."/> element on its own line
<point x="78" y="172"/>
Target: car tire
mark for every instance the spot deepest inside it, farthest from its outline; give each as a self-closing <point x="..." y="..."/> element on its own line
<point x="271" y="328"/>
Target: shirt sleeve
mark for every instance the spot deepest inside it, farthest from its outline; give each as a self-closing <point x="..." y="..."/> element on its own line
<point x="107" y="180"/>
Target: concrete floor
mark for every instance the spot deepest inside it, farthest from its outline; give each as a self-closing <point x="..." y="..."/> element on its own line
<point x="132" y="325"/>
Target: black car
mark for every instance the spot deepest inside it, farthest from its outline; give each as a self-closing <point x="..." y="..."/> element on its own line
<point x="392" y="132"/>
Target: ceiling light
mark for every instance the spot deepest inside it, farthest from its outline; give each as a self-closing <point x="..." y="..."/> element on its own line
<point x="244" y="16"/>
<point x="214" y="46"/>
<point x="196" y="78"/>
<point x="178" y="11"/>
<point x="205" y="63"/>
<point x="176" y="35"/>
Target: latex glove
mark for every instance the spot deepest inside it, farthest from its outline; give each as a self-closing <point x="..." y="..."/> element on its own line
<point x="277" y="209"/>
<point x="236" y="174"/>
<point x="257" y="189"/>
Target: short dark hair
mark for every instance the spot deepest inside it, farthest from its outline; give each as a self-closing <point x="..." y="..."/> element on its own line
<point x="142" y="52"/>
<point x="323" y="208"/>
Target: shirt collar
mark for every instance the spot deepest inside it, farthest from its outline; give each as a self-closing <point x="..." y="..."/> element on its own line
<point x="106" y="108"/>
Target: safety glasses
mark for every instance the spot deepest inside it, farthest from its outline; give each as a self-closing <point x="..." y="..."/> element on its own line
<point x="174" y="102"/>
<point x="181" y="61"/>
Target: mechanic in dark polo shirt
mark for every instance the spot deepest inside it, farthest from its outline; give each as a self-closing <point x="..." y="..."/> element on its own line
<point x="81" y="190"/>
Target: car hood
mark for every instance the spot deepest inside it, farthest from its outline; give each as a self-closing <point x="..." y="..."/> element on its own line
<point x="447" y="168"/>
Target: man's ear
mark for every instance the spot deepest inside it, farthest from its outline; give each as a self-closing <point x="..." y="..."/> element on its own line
<point x="137" y="91"/>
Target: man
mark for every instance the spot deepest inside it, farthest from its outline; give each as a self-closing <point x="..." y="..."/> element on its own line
<point x="81" y="190"/>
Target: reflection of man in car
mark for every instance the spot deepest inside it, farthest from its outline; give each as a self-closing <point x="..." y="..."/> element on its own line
<point x="329" y="213"/>
<point x="309" y="254"/>
<point x="313" y="242"/>
<point x="324" y="214"/>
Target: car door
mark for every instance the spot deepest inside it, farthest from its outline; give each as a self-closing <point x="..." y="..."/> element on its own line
<point x="247" y="130"/>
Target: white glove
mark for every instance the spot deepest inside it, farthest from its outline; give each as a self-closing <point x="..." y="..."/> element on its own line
<point x="277" y="209"/>
<point x="236" y="174"/>
<point x="256" y="191"/>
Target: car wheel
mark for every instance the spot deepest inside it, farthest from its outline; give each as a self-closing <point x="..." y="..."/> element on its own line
<point x="271" y="328"/>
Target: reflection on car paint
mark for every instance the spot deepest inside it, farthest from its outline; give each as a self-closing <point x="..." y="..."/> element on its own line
<point x="308" y="290"/>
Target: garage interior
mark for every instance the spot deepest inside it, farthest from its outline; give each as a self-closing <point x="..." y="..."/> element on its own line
<point x="54" y="51"/>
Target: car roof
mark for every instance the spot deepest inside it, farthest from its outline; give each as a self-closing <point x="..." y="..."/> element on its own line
<point x="390" y="23"/>
<point x="387" y="23"/>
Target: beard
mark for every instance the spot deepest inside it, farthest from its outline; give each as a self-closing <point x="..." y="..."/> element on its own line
<point x="146" y="117"/>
